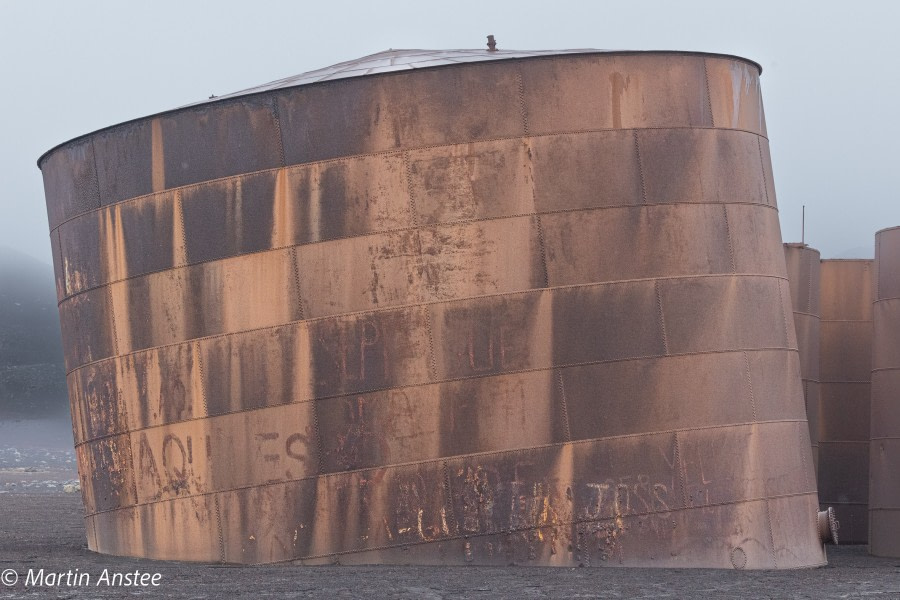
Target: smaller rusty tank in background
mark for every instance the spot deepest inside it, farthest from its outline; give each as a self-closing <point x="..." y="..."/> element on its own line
<point x="803" y="275"/>
<point x="845" y="364"/>
<point x="884" y="450"/>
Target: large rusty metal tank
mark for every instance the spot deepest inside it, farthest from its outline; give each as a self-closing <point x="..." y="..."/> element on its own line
<point x="439" y="308"/>
<point x="845" y="366"/>
<point x="884" y="450"/>
<point x="803" y="275"/>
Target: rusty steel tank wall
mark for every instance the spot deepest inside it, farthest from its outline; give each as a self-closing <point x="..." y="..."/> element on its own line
<point x="803" y="275"/>
<point x="884" y="450"/>
<point x="845" y="372"/>
<point x="530" y="311"/>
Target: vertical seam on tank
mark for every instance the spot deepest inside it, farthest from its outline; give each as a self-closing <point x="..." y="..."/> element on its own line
<point x="179" y="201"/>
<point x="771" y="534"/>
<point x="295" y="262"/>
<point x="565" y="405"/>
<point x="728" y="237"/>
<point x="202" y="383"/>
<point x="413" y="213"/>
<point x="131" y="458"/>
<point x="320" y="449"/>
<point x="414" y="219"/>
<point x="219" y="527"/>
<point x="448" y="502"/>
<point x="96" y="174"/>
<point x="543" y="249"/>
<point x="787" y="337"/>
<point x="681" y="477"/>
<point x="750" y="386"/>
<point x="112" y="319"/>
<point x="662" y="320"/>
<point x="537" y="219"/>
<point x="432" y="361"/>
<point x="62" y="267"/>
<point x="762" y="166"/>
<point x="94" y="532"/>
<point x="712" y="118"/>
<point x="640" y="163"/>
<point x="802" y="453"/>
<point x="522" y="109"/>
<point x="277" y="118"/>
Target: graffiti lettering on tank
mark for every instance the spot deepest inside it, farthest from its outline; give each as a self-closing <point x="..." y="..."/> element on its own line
<point x="279" y="455"/>
<point x="628" y="496"/>
<point x="174" y="464"/>
<point x="359" y="443"/>
<point x="418" y="514"/>
<point x="537" y="511"/>
<point x="350" y="356"/>
<point x="166" y="466"/>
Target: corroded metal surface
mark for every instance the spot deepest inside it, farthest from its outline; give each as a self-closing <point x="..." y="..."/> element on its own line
<point x="532" y="311"/>
<point x="884" y="458"/>
<point x="845" y="366"/>
<point x="803" y="275"/>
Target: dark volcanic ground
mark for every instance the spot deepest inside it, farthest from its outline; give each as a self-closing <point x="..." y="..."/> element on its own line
<point x="41" y="528"/>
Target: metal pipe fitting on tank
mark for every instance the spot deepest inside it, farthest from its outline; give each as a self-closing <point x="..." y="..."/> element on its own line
<point x="828" y="526"/>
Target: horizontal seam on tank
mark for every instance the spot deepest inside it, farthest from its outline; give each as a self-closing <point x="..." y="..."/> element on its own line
<point x="880" y="369"/>
<point x="821" y="441"/>
<point x="885" y="299"/>
<point x="806" y="314"/>
<point x="435" y="382"/>
<point x="845" y="320"/>
<point x="853" y="381"/>
<point x="324" y="161"/>
<point x="399" y="307"/>
<point x="885" y="437"/>
<point x="410" y="228"/>
<point x="884" y="508"/>
<point x="516" y="530"/>
<point x="844" y="503"/>
<point x="457" y="457"/>
<point x="509" y="531"/>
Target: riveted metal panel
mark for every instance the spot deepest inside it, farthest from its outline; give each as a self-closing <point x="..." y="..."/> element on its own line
<point x="531" y="311"/>
<point x="146" y="530"/>
<point x="465" y="103"/>
<point x="473" y="181"/>
<point x="884" y="448"/>
<point x="845" y="365"/>
<point x="70" y="182"/>
<point x="701" y="248"/>
<point x="626" y="92"/>
<point x="735" y="95"/>
<point x="700" y="165"/>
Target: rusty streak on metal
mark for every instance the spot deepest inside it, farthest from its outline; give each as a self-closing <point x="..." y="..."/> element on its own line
<point x="531" y="310"/>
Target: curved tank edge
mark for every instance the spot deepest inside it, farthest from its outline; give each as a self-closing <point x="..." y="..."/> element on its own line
<point x="233" y="99"/>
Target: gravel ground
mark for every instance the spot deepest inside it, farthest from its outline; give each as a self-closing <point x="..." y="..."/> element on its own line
<point x="41" y="528"/>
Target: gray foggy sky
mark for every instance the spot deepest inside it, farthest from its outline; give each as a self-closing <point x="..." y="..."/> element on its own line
<point x="829" y="80"/>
